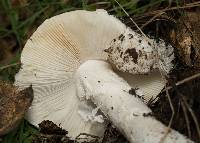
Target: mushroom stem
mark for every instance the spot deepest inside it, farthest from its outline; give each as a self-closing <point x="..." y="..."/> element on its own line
<point x="97" y="82"/>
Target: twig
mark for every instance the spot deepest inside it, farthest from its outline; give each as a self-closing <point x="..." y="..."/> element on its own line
<point x="131" y="19"/>
<point x="149" y="21"/>
<point x="190" y="5"/>
<point x="8" y="66"/>
<point x="183" y="81"/>
<point x="192" y="114"/>
<point x="186" y="119"/>
<point x="189" y="109"/>
<point x="188" y="79"/>
<point x="171" y="119"/>
<point x="194" y="4"/>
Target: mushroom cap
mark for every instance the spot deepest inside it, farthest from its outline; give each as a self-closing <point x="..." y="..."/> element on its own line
<point x="134" y="53"/>
<point x="51" y="57"/>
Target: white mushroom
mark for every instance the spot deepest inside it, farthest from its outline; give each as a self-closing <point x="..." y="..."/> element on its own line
<point x="64" y="61"/>
<point x="127" y="112"/>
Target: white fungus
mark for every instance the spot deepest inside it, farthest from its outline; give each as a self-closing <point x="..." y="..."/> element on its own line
<point x="66" y="64"/>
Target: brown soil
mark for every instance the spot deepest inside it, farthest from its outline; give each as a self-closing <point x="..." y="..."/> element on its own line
<point x="13" y="105"/>
<point x="112" y="135"/>
<point x="51" y="133"/>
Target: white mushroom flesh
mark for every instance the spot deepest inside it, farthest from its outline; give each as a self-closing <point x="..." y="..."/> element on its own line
<point x="51" y="58"/>
<point x="96" y="81"/>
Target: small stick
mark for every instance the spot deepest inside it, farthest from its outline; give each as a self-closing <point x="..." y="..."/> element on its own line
<point x="194" y="4"/>
<point x="183" y="81"/>
<point x="8" y="66"/>
<point x="131" y="19"/>
<point x="171" y="119"/>
<point x="189" y="109"/>
<point x="149" y="21"/>
<point x="186" y="119"/>
<point x="193" y="115"/>
<point x="190" y="5"/>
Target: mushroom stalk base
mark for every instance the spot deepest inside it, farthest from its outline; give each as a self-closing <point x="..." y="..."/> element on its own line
<point x="96" y="81"/>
